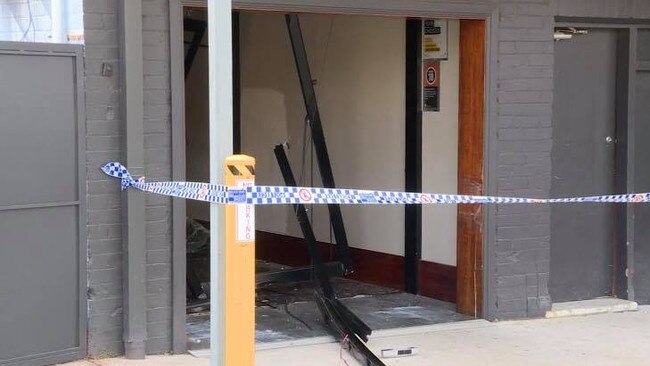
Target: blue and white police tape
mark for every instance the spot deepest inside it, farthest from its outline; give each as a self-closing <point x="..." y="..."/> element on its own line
<point x="277" y="195"/>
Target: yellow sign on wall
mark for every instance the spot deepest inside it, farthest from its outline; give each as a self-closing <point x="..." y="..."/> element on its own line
<point x="434" y="39"/>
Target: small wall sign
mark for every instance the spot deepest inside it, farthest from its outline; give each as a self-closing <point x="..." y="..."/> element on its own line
<point x="434" y="39"/>
<point x="430" y="86"/>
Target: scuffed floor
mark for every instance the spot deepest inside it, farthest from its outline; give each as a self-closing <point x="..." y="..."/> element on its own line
<point x="287" y="311"/>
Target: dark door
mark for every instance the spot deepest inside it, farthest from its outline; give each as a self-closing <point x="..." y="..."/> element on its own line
<point x="42" y="215"/>
<point x="582" y="236"/>
<point x="641" y="239"/>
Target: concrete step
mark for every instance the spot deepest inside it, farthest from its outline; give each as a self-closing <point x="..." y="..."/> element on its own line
<point x="376" y="334"/>
<point x="589" y="307"/>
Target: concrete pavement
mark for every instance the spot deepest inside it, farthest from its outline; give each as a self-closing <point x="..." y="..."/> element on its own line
<point x="606" y="339"/>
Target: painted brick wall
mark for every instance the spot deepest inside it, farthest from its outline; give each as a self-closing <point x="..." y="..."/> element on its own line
<point x="35" y="21"/>
<point x="103" y="143"/>
<point x="524" y="142"/>
<point x="157" y="144"/>
<point x="603" y="8"/>
<point x="523" y="160"/>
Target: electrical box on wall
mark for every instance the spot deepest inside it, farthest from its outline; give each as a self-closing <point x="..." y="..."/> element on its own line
<point x="434" y="49"/>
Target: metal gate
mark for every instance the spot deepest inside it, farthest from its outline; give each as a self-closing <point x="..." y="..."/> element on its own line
<point x="42" y="204"/>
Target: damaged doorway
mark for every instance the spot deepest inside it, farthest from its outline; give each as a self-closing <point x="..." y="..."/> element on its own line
<point x="358" y="67"/>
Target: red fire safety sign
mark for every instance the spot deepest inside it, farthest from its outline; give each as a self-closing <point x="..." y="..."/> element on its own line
<point x="431" y="86"/>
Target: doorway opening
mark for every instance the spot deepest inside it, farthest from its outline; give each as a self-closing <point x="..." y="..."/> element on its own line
<point x="359" y="72"/>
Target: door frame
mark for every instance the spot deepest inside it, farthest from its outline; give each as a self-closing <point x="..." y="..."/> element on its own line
<point x="75" y="52"/>
<point x="487" y="12"/>
<point x="623" y="258"/>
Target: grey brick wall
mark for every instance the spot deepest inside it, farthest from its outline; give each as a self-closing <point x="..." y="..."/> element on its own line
<point x="103" y="143"/>
<point x="520" y="254"/>
<point x="524" y="142"/>
<point x="603" y="8"/>
<point x="157" y="144"/>
<point x="31" y="21"/>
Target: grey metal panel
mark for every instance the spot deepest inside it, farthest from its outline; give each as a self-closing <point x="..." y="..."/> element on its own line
<point x="42" y="48"/>
<point x="38" y="147"/>
<point x="82" y="250"/>
<point x="643" y="50"/>
<point x="38" y="281"/>
<point x="582" y="238"/>
<point x="642" y="65"/>
<point x="42" y="246"/>
<point x="642" y="183"/>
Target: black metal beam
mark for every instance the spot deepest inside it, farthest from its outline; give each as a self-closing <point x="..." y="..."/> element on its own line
<point x="332" y="269"/>
<point x="342" y="331"/>
<point x="305" y="225"/>
<point x="318" y="137"/>
<point x="357" y="325"/>
<point x="322" y="275"/>
<point x="197" y="27"/>
<point x="413" y="156"/>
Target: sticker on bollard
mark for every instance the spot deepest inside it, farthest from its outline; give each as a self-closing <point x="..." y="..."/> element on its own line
<point x="245" y="216"/>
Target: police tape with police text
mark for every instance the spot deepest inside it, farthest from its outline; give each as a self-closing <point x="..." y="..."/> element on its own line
<point x="278" y="195"/>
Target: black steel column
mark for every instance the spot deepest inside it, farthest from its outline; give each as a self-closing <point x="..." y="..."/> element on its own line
<point x="305" y="225"/>
<point x="322" y="156"/>
<point x="413" y="161"/>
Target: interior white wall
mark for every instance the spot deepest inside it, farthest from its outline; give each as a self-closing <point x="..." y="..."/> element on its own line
<point x="197" y="144"/>
<point x="358" y="63"/>
<point x="440" y="160"/>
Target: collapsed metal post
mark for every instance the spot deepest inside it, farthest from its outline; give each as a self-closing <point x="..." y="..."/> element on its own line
<point x="343" y="323"/>
<point x="318" y="137"/>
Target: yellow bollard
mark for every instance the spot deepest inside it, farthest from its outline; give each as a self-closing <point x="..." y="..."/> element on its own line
<point x="239" y="308"/>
